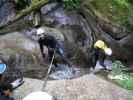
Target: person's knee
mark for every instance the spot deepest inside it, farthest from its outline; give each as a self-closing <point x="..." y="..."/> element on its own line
<point x="61" y="52"/>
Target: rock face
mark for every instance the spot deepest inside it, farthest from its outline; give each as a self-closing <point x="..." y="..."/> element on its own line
<point x="19" y="52"/>
<point x="87" y="87"/>
<point x="30" y="85"/>
<point x="7" y="10"/>
<point x="78" y="31"/>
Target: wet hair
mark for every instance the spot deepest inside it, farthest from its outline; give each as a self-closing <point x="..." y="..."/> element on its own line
<point x="5" y="86"/>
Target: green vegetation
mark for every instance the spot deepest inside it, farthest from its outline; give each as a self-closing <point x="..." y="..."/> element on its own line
<point x="126" y="80"/>
<point x="21" y="4"/>
<point x="127" y="83"/>
<point x="72" y="4"/>
<point x="69" y="4"/>
<point x="119" y="11"/>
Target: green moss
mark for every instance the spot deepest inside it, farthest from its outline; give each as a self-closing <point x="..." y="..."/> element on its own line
<point x="72" y="4"/>
<point x="119" y="11"/>
<point x="127" y="81"/>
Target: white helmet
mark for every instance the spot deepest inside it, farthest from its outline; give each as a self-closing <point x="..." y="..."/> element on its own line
<point x="108" y="51"/>
<point x="38" y="96"/>
<point x="40" y="31"/>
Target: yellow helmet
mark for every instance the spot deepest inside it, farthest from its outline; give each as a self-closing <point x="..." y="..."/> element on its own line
<point x="99" y="44"/>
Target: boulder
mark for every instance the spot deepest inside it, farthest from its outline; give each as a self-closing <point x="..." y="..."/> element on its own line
<point x="30" y="85"/>
<point x="7" y="11"/>
<point x="87" y="87"/>
<point x="22" y="53"/>
<point x="77" y="31"/>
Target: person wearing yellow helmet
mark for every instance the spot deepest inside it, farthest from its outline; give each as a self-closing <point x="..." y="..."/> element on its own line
<point x="99" y="52"/>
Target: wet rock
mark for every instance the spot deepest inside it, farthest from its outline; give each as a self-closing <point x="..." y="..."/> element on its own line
<point x="64" y="72"/>
<point x="19" y="52"/>
<point x="87" y="87"/>
<point x="30" y="85"/>
<point x="108" y="64"/>
<point x="73" y="26"/>
<point x="127" y="47"/>
<point x="77" y="30"/>
<point x="7" y="11"/>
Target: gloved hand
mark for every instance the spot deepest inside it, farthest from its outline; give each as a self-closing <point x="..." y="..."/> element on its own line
<point x="17" y="83"/>
<point x="61" y="51"/>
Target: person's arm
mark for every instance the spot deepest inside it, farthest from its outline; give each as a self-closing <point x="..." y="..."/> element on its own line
<point x="6" y="88"/>
<point x="41" y="48"/>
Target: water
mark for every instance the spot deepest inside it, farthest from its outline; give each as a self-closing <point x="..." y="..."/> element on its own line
<point x="64" y="72"/>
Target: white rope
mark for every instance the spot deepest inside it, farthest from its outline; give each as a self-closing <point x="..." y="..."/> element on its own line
<point x="49" y="69"/>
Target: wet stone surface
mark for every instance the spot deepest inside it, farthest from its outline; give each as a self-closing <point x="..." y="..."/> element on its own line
<point x="64" y="72"/>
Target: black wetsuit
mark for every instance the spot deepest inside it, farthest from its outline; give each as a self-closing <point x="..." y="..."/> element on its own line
<point x="52" y="44"/>
<point x="97" y="54"/>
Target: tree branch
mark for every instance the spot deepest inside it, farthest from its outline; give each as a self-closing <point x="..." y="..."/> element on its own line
<point x="26" y="11"/>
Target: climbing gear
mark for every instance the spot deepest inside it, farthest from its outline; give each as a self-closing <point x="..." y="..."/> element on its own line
<point x="100" y="44"/>
<point x="2" y="68"/>
<point x="39" y="96"/>
<point x="108" y="51"/>
<point x="49" y="69"/>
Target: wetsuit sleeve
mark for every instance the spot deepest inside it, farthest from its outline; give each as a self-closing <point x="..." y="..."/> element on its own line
<point x="41" y="46"/>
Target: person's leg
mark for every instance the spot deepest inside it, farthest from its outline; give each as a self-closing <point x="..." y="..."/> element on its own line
<point x="93" y="57"/>
<point x="94" y="60"/>
<point x="101" y="60"/>
<point x="60" y="51"/>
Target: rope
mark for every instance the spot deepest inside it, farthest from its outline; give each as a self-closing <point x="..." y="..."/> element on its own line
<point x="49" y="69"/>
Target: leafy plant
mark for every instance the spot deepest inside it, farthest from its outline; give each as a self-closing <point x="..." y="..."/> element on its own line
<point x="117" y="68"/>
<point x="127" y="81"/>
<point x="72" y="4"/>
<point x="117" y="11"/>
<point x="127" y="21"/>
<point x="20" y="4"/>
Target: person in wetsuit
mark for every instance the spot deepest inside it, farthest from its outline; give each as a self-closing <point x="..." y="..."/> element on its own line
<point x="52" y="44"/>
<point x="99" y="52"/>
